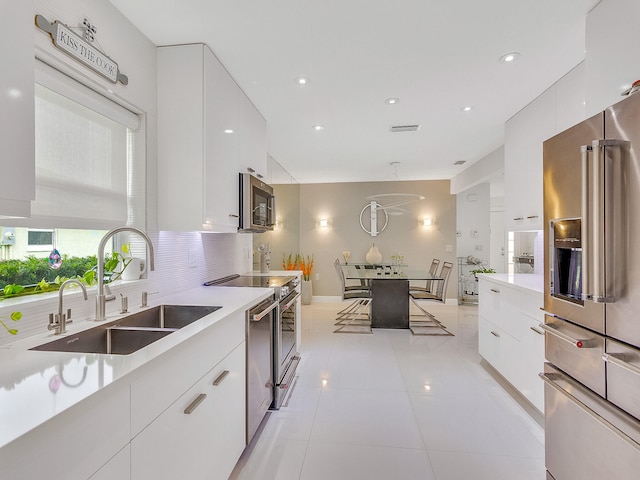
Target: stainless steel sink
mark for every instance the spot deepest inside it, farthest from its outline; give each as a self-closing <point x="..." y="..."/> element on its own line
<point x="166" y="316"/>
<point x="131" y="333"/>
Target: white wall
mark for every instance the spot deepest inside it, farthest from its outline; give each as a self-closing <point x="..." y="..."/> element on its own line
<point x="472" y="210"/>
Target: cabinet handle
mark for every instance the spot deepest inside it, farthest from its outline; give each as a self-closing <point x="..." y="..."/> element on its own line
<point x="220" y="378"/>
<point x="234" y="215"/>
<point x="495" y="290"/>
<point x="193" y="405"/>
<point x="539" y="332"/>
<point x="250" y="170"/>
<point x="517" y="219"/>
<point x="531" y="217"/>
<point x="495" y="334"/>
<point x="259" y="175"/>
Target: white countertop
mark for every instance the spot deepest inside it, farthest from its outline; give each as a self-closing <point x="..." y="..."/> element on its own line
<point x="37" y="385"/>
<point x="522" y="281"/>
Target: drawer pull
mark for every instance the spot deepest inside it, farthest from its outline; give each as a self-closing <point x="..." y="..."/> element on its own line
<point x="612" y="358"/>
<point x="193" y="405"/>
<point x="220" y="378"/>
<point x="495" y="334"/>
<point x="539" y="332"/>
<point x="531" y="217"/>
<point x="495" y="290"/>
<point x="517" y="219"/>
<point x="576" y="342"/>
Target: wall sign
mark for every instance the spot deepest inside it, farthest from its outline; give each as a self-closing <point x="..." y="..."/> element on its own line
<point x="77" y="47"/>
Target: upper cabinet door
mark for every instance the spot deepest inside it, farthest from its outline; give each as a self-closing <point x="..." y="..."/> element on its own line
<point x="17" y="135"/>
<point x="222" y="135"/>
<point x="208" y="132"/>
<point x="252" y="148"/>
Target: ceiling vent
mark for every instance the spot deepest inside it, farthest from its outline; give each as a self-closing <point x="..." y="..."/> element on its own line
<point x="460" y="162"/>
<point x="404" y="128"/>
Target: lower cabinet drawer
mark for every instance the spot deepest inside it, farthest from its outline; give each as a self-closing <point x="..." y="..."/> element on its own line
<point x="202" y="434"/>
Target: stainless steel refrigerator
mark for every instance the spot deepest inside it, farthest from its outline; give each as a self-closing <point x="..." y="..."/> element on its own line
<point x="592" y="297"/>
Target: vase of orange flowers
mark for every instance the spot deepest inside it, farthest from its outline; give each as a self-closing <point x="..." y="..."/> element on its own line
<point x="304" y="263"/>
<point x="306" y="287"/>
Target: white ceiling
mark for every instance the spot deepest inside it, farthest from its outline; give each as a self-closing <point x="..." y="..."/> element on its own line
<point x="435" y="56"/>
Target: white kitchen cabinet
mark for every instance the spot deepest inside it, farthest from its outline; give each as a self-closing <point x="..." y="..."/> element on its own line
<point x="119" y="467"/>
<point x="532" y="342"/>
<point x="208" y="132"/>
<point x="509" y="337"/>
<point x="252" y="141"/>
<point x="158" y="384"/>
<point x="559" y="107"/>
<point x="17" y="183"/>
<point x="524" y="134"/>
<point x="74" y="444"/>
<point x="202" y="434"/>
<point x="611" y="52"/>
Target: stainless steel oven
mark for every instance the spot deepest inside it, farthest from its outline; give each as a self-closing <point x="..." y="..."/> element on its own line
<point x="286" y="354"/>
<point x="259" y="328"/>
<point x="257" y="205"/>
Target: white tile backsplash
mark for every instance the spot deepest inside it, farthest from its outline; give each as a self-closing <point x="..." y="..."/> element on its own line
<point x="183" y="260"/>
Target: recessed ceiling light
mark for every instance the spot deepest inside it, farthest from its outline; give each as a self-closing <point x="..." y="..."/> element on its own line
<point x="317" y="128"/>
<point x="392" y="101"/>
<point x="509" y="57"/>
<point x="467" y="108"/>
<point x="228" y="130"/>
<point x="302" y="80"/>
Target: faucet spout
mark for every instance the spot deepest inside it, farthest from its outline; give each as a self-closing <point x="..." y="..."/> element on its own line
<point x="101" y="298"/>
<point x="60" y="323"/>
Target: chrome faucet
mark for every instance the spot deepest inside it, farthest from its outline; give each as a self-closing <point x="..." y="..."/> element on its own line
<point x="59" y="322"/>
<point x="102" y="299"/>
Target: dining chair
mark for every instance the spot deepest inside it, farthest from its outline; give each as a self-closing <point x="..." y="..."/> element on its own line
<point x="429" y="284"/>
<point x="440" y="290"/>
<point x="356" y="317"/>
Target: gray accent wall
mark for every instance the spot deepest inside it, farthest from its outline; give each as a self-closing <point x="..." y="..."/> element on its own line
<point x="341" y="204"/>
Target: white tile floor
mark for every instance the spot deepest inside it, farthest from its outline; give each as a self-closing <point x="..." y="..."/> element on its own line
<point x="395" y="406"/>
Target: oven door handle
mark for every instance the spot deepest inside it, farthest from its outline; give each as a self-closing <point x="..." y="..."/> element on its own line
<point x="256" y="317"/>
<point x="549" y="379"/>
<point x="290" y="302"/>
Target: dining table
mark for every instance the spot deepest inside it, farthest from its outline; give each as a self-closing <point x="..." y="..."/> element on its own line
<point x="389" y="285"/>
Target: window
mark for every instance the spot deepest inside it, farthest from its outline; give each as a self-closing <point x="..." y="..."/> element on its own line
<point x="39" y="240"/>
<point x="90" y="171"/>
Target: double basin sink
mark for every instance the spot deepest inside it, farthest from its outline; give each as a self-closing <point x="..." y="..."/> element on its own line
<point x="130" y="333"/>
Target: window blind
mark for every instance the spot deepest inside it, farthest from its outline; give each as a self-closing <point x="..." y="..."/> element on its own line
<point x="83" y="146"/>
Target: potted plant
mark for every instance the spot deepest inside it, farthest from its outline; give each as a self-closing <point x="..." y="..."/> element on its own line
<point x="299" y="262"/>
<point x="306" y="265"/>
<point x="476" y="271"/>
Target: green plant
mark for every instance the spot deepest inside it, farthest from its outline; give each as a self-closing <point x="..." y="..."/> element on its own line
<point x="482" y="270"/>
<point x="15" y="316"/>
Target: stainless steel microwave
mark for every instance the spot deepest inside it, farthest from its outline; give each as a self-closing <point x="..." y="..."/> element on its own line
<point x="257" y="205"/>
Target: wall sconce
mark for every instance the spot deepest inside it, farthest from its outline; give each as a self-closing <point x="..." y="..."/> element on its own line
<point x="323" y="223"/>
<point x="427" y="222"/>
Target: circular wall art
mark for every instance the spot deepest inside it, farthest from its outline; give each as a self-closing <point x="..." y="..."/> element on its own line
<point x="374" y="220"/>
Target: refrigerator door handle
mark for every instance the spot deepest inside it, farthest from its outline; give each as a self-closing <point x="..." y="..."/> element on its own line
<point x="603" y="182"/>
